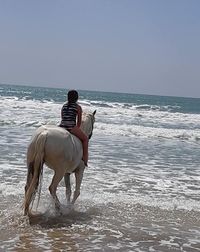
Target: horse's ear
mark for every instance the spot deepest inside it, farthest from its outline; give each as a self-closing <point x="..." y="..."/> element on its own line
<point x="94" y="112"/>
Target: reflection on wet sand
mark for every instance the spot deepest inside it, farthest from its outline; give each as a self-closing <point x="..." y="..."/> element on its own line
<point x="51" y="232"/>
<point x="58" y="221"/>
<point x="104" y="227"/>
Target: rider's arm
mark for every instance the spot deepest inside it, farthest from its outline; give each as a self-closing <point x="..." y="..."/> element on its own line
<point x="79" y="116"/>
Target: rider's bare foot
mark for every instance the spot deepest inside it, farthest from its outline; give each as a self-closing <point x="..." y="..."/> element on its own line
<point x="85" y="162"/>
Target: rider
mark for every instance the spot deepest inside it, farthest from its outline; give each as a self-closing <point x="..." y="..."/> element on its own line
<point x="71" y="117"/>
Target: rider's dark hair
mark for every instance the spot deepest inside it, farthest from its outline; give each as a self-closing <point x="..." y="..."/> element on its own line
<point x="72" y="96"/>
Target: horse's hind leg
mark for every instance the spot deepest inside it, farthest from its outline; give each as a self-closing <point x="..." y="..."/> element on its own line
<point x="68" y="187"/>
<point x="58" y="175"/>
<point x="79" y="176"/>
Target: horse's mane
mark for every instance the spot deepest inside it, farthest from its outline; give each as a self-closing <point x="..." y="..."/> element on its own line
<point x="85" y="115"/>
<point x="86" y="118"/>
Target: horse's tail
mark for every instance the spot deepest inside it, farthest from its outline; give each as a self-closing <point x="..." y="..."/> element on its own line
<point x="35" y="161"/>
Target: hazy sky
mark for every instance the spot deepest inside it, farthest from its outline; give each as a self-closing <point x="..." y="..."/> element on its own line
<point x="134" y="46"/>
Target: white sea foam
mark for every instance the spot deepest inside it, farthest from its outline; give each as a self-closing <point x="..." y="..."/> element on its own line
<point x="112" y="119"/>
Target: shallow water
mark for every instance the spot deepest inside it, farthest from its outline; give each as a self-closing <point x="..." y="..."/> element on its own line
<point x="143" y="206"/>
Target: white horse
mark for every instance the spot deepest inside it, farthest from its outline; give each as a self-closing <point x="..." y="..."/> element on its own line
<point x="61" y="152"/>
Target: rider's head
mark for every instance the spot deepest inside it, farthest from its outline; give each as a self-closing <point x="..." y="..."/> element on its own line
<point x="72" y="96"/>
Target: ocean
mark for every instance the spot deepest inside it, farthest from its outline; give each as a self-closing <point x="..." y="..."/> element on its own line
<point x="140" y="192"/>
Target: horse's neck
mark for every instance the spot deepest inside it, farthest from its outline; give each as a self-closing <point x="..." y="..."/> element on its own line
<point x="86" y="126"/>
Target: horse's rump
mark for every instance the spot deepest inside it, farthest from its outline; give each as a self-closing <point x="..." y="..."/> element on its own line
<point x="60" y="147"/>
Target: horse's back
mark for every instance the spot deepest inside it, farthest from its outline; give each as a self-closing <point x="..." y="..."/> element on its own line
<point x="61" y="147"/>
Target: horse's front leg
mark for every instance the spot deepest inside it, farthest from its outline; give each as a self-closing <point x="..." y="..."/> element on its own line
<point x="68" y="186"/>
<point x="79" y="176"/>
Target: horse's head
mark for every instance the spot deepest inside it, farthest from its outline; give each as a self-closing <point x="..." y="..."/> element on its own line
<point x="88" y="123"/>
